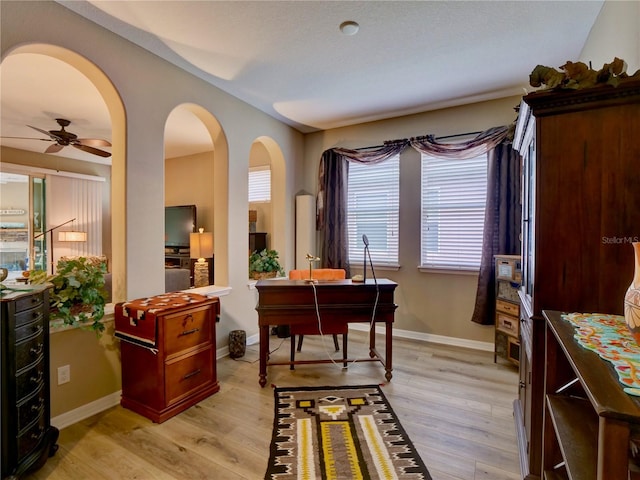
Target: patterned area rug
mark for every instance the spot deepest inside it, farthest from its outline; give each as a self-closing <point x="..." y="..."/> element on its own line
<point x="339" y="433"/>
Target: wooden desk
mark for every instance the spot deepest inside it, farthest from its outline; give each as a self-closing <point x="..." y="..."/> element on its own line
<point x="290" y="302"/>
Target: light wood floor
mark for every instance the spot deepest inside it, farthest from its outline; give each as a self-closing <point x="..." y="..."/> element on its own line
<point x="455" y="404"/>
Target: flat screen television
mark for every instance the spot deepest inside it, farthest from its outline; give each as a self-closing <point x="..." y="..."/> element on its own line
<point x="179" y="222"/>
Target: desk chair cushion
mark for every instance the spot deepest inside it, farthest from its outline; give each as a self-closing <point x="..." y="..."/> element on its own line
<point x="319" y="274"/>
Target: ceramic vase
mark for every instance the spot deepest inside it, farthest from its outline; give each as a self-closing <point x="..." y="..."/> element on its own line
<point x="632" y="298"/>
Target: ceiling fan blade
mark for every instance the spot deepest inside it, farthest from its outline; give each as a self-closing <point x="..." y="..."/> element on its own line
<point x="53" y="148"/>
<point x="93" y="142"/>
<point x="30" y="138"/>
<point x="89" y="149"/>
<point x="48" y="134"/>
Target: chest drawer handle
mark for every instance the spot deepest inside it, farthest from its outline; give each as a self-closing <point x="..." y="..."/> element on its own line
<point x="37" y="379"/>
<point x="38" y="406"/>
<point x="34" y="351"/>
<point x="192" y="374"/>
<point x="35" y="436"/>
<point x="189" y="332"/>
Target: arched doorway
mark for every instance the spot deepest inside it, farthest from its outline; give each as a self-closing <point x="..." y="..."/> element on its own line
<point x="265" y="151"/>
<point x="113" y="102"/>
<point x="205" y="173"/>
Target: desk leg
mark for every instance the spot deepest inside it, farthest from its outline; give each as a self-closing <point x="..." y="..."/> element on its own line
<point x="372" y="341"/>
<point x="388" y="353"/>
<point x="264" y="352"/>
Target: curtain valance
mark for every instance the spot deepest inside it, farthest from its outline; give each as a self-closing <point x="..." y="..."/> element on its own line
<point x="479" y="145"/>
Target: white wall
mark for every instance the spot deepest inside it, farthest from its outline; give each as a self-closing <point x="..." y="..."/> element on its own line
<point x="616" y="33"/>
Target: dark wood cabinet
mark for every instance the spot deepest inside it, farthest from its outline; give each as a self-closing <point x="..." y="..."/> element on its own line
<point x="168" y="358"/>
<point x="28" y="438"/>
<point x="581" y="211"/>
<point x="257" y="242"/>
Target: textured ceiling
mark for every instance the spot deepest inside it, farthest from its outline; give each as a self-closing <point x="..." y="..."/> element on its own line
<point x="290" y="60"/>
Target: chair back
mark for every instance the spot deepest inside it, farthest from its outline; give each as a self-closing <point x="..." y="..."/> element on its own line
<point x="319" y="274"/>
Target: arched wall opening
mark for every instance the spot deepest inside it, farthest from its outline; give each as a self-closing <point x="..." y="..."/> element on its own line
<point x="117" y="115"/>
<point x="211" y="189"/>
<point x="262" y="150"/>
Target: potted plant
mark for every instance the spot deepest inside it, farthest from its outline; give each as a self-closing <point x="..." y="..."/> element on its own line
<point x="77" y="295"/>
<point x="264" y="264"/>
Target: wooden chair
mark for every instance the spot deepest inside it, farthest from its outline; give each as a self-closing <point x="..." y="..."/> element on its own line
<point x="312" y="328"/>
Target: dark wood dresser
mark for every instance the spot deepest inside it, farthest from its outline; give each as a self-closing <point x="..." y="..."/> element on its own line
<point x="168" y="353"/>
<point x="28" y="438"/>
<point x="581" y="211"/>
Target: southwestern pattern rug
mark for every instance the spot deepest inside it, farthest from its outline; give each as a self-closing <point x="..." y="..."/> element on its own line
<point x="339" y="433"/>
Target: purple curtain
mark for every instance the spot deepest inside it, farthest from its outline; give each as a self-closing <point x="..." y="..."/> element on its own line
<point x="331" y="211"/>
<point x="502" y="225"/>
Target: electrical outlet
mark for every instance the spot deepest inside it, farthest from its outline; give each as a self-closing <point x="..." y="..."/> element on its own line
<point x="64" y="374"/>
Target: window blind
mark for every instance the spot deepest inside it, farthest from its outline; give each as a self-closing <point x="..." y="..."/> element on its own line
<point x="260" y="184"/>
<point x="453" y="203"/>
<point x="78" y="198"/>
<point x="373" y="210"/>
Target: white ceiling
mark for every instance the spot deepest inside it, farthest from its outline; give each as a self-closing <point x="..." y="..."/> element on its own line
<point x="290" y="60"/>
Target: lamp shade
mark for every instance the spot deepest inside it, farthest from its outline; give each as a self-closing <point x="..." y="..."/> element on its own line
<point x="201" y="245"/>
<point x="72" y="236"/>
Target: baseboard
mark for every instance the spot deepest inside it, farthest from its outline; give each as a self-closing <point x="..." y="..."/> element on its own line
<point x="85" y="411"/>
<point x="422" y="337"/>
<point x="429" y="337"/>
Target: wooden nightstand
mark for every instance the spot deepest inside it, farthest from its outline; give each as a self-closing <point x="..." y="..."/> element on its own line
<point x="168" y="352"/>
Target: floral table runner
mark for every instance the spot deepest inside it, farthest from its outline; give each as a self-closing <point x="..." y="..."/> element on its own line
<point x="609" y="337"/>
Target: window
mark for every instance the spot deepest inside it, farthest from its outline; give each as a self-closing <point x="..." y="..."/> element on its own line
<point x="67" y="197"/>
<point x="453" y="202"/>
<point x="373" y="210"/>
<point x="260" y="184"/>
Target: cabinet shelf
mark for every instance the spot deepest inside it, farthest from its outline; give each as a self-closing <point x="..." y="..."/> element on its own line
<point x="576" y="427"/>
<point x="555" y="475"/>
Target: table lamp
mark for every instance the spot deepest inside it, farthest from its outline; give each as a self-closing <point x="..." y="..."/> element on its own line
<point x="311" y="259"/>
<point x="201" y="247"/>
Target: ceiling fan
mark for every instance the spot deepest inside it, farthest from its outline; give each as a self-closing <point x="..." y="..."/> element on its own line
<point x="62" y="139"/>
